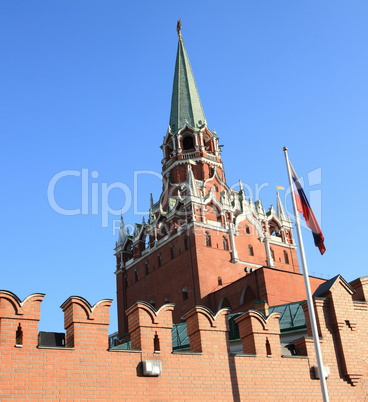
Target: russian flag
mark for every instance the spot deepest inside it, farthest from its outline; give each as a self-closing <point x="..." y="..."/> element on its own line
<point x="304" y="208"/>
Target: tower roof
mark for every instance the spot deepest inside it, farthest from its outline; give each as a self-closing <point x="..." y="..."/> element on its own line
<point x="186" y="107"/>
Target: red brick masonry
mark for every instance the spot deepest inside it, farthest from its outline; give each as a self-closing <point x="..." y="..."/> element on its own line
<point x="86" y="370"/>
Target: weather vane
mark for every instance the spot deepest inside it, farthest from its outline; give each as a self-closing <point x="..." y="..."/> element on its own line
<point x="178" y="28"/>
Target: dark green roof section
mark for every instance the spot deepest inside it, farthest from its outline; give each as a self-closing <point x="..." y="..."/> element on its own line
<point x="186" y="106"/>
<point x="122" y="346"/>
<point x="180" y="336"/>
<point x="292" y="316"/>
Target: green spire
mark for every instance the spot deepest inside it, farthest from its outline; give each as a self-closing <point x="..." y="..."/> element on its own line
<point x="185" y="103"/>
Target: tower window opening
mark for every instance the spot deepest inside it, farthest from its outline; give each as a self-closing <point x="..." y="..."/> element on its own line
<point x="147" y="242"/>
<point x="186" y="242"/>
<point x="286" y="257"/>
<point x="208" y="239"/>
<point x="247" y="230"/>
<point x="185" y="293"/>
<point x="188" y="143"/>
<point x="19" y="335"/>
<point x="250" y="249"/>
<point x="225" y="244"/>
<point x="129" y="248"/>
<point x="136" y="274"/>
<point x="172" y="251"/>
<point x="159" y="260"/>
<point x="219" y="281"/>
<point x="274" y="229"/>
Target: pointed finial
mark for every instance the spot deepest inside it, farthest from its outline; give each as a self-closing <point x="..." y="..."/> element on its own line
<point x="280" y="208"/>
<point x="240" y="185"/>
<point x="151" y="200"/>
<point x="121" y="231"/>
<point x="178" y="28"/>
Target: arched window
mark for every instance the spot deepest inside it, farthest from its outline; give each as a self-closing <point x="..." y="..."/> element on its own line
<point x="129" y="247"/>
<point x="136" y="274"/>
<point x="159" y="260"/>
<point x="274" y="229"/>
<point x="224" y="302"/>
<point x="186" y="242"/>
<point x="208" y="239"/>
<point x="146" y="265"/>
<point x="172" y="251"/>
<point x="185" y="293"/>
<point x="247" y="230"/>
<point x="225" y="244"/>
<point x="247" y="295"/>
<point x="286" y="257"/>
<point x="188" y="143"/>
<point x="250" y="249"/>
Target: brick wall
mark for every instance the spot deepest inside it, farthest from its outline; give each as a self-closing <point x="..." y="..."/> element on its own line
<point x="87" y="370"/>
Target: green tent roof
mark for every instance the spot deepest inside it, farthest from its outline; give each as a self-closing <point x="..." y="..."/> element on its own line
<point x="186" y="105"/>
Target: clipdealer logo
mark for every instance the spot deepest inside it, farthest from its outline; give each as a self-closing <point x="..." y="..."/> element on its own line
<point x="95" y="196"/>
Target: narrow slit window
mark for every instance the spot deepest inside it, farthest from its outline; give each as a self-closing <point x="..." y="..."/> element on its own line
<point x="185" y="293"/>
<point x="225" y="244"/>
<point x="186" y="242"/>
<point x="208" y="239"/>
<point x="19" y="335"/>
<point x="156" y="343"/>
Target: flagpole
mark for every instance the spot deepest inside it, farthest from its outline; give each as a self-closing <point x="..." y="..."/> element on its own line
<point x="312" y="315"/>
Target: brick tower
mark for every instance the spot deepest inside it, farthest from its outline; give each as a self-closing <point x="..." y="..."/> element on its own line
<point x="201" y="236"/>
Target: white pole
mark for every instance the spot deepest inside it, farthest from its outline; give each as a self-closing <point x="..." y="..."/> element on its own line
<point x="312" y="315"/>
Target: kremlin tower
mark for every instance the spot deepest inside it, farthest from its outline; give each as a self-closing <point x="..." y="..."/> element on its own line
<point x="203" y="242"/>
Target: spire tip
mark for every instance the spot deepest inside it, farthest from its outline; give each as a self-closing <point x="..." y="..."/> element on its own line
<point x="178" y="28"/>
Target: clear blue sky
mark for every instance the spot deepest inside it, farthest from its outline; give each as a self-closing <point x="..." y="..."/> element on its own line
<point x="87" y="85"/>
